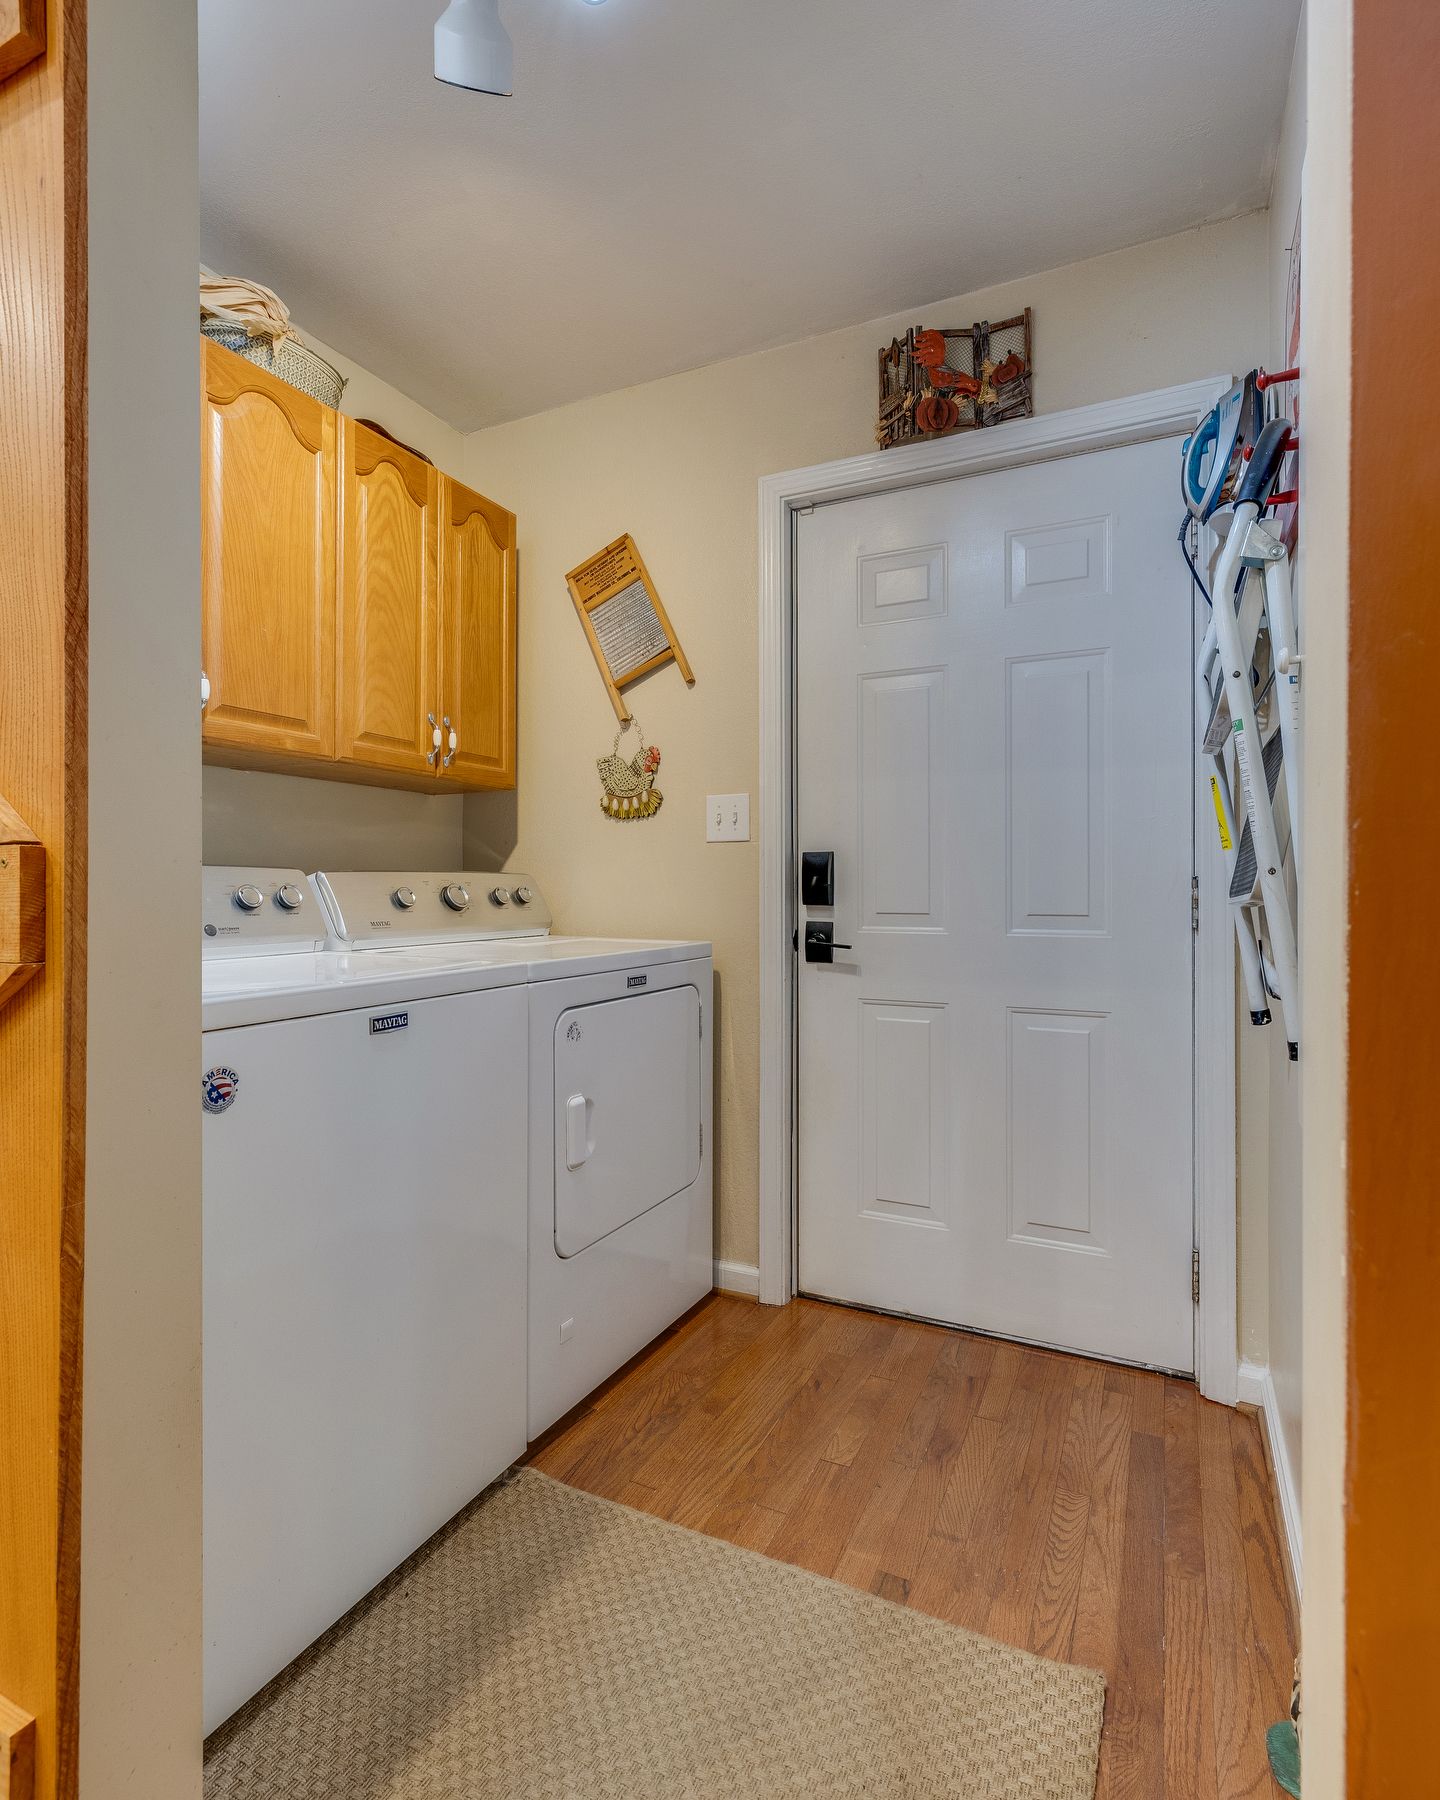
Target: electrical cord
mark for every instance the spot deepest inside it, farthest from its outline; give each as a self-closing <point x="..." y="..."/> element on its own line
<point x="1182" y="540"/>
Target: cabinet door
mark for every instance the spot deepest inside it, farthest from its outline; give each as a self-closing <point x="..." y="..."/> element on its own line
<point x="389" y="655"/>
<point x="267" y="485"/>
<point x="477" y="637"/>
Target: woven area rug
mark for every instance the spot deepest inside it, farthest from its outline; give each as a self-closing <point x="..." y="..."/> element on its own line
<point x="549" y="1645"/>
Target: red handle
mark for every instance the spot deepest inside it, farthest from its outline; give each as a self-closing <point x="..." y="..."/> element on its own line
<point x="1263" y="380"/>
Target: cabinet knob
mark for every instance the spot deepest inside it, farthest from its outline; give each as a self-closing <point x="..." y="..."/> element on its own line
<point x="434" y="739"/>
<point x="204" y="690"/>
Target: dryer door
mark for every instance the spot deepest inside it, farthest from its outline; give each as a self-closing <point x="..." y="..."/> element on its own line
<point x="627" y="1111"/>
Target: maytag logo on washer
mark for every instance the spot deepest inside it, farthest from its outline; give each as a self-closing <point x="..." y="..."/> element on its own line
<point x="218" y="1088"/>
<point x="383" y="1022"/>
<point x="636" y="980"/>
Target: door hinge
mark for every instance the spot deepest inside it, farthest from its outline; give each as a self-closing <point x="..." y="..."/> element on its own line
<point x="1195" y="1277"/>
<point x="1194" y="902"/>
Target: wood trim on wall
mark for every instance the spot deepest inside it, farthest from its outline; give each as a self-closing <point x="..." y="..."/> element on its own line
<point x="43" y="774"/>
<point x="22" y="34"/>
<point x="1393" y="1481"/>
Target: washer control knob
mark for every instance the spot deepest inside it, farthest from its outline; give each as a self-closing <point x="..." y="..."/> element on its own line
<point x="499" y="896"/>
<point x="289" y="898"/>
<point x="523" y="896"/>
<point x="404" y="898"/>
<point x="248" y="897"/>
<point x="455" y="895"/>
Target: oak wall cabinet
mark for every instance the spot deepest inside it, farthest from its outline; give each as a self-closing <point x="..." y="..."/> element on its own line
<point x="267" y="563"/>
<point x="359" y="607"/>
<point x="477" y="638"/>
<point x="388" y="678"/>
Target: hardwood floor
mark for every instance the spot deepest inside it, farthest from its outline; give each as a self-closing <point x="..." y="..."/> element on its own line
<point x="1101" y="1515"/>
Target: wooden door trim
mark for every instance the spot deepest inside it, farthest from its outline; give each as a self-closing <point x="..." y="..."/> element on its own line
<point x="1168" y="412"/>
<point x="22" y="35"/>
<point x="1392" y="1555"/>
<point x="44" y="750"/>
<point x="17" y="1752"/>
<point x="22" y="905"/>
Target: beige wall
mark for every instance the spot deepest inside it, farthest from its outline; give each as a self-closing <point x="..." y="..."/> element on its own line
<point x="1325" y="509"/>
<point x="676" y="462"/>
<point x="288" y="822"/>
<point x="1269" y="1168"/>
<point x="285" y="821"/>
<point x="1283" y="1248"/>
<point x="140" y="1625"/>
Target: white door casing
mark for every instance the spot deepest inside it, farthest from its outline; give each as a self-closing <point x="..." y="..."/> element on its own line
<point x="1134" y="419"/>
<point x="993" y="736"/>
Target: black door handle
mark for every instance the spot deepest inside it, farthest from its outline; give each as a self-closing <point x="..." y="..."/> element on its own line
<point x="820" y="945"/>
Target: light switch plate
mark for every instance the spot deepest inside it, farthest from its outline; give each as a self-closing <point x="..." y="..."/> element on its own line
<point x="727" y="818"/>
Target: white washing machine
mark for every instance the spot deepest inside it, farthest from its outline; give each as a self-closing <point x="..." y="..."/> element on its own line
<point x="365" y="1245"/>
<point x="621" y="1206"/>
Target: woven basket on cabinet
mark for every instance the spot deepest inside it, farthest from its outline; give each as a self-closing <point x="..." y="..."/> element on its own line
<point x="292" y="362"/>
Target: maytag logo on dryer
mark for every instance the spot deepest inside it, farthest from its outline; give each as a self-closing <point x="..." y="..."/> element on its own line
<point x="636" y="980"/>
<point x="218" y="1088"/>
<point x="381" y="1024"/>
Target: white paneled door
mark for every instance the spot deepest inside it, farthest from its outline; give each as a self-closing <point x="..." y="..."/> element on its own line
<point x="994" y="739"/>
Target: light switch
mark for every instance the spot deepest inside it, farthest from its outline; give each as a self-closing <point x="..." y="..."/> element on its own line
<point x="727" y="818"/>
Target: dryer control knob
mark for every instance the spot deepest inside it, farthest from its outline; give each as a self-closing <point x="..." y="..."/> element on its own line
<point x="289" y="898"/>
<point x="455" y="896"/>
<point x="248" y="897"/>
<point x="523" y="896"/>
<point x="404" y="898"/>
<point x="499" y="897"/>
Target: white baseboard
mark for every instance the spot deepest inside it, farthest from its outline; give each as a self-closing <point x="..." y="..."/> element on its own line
<point x="737" y="1278"/>
<point x="1256" y="1388"/>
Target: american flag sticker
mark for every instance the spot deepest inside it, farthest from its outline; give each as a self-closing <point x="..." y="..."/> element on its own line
<point x="218" y="1088"/>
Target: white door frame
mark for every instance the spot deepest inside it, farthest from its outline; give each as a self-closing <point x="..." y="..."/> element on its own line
<point x="1165" y="413"/>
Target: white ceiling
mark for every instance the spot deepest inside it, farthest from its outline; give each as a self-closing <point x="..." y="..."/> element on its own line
<point x="678" y="181"/>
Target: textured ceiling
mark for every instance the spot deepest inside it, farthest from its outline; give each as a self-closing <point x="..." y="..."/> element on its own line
<point x="676" y="182"/>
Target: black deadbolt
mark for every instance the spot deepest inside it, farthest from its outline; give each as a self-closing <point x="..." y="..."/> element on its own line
<point x="817" y="877"/>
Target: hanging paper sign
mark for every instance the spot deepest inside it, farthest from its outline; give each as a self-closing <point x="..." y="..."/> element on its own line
<point x="628" y="628"/>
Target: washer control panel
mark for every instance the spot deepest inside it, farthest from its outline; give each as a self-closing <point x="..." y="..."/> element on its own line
<point x="259" y="912"/>
<point x="380" y="909"/>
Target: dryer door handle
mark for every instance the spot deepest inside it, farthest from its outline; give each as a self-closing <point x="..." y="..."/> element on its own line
<point x="579" y="1139"/>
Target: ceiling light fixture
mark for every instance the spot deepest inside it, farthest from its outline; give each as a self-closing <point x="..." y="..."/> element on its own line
<point x="473" y="49"/>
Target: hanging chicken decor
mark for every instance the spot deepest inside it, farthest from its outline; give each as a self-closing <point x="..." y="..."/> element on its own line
<point x="630" y="790"/>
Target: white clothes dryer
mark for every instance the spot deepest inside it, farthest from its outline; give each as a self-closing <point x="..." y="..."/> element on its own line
<point x="621" y="1194"/>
